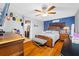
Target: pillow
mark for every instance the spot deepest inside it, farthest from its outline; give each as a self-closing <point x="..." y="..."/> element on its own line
<point x="39" y="41"/>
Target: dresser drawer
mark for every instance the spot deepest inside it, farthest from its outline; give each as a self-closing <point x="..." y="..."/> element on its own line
<point x="12" y="48"/>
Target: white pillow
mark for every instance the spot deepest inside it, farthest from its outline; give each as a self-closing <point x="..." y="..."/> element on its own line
<point x="41" y="41"/>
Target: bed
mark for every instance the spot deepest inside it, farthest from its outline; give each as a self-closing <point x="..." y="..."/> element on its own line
<point x="54" y="31"/>
<point x="31" y="48"/>
<point x="54" y="35"/>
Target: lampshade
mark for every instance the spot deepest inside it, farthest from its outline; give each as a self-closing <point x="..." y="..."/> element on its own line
<point x="44" y="15"/>
<point x="66" y="28"/>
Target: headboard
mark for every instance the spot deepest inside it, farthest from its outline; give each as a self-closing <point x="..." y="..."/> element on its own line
<point x="56" y="26"/>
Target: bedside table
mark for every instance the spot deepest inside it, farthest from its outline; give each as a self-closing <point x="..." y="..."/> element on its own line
<point x="64" y="36"/>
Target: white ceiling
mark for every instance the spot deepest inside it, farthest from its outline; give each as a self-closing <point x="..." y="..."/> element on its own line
<point x="27" y="9"/>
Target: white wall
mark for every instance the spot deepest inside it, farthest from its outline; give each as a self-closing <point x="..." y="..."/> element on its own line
<point x="77" y="22"/>
<point x="10" y="25"/>
<point x="35" y="30"/>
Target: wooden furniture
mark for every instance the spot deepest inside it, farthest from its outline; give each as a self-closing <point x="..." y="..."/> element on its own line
<point x="56" y="26"/>
<point x="11" y="45"/>
<point x="31" y="49"/>
<point x="64" y="36"/>
<point x="67" y="45"/>
<point x="57" y="48"/>
<point x="49" y="40"/>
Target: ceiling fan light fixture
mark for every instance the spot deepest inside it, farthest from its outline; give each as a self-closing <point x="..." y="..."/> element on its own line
<point x="44" y="15"/>
<point x="45" y="11"/>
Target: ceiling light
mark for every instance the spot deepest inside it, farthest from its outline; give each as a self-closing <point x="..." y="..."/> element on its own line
<point x="44" y="15"/>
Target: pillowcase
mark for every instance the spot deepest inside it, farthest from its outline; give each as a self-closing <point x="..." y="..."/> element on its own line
<point x="40" y="41"/>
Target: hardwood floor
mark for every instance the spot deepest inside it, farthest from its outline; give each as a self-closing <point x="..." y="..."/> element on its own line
<point x="57" y="48"/>
<point x="30" y="49"/>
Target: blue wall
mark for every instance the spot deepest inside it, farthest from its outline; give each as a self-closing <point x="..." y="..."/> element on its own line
<point x="68" y="21"/>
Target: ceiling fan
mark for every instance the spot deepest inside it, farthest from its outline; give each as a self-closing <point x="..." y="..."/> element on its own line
<point x="45" y="11"/>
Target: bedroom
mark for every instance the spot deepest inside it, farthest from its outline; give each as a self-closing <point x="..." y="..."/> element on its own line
<point x="23" y="19"/>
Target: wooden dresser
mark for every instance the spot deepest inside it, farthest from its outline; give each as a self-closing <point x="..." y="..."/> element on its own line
<point x="11" y="45"/>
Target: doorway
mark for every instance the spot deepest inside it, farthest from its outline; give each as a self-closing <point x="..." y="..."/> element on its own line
<point x="27" y="28"/>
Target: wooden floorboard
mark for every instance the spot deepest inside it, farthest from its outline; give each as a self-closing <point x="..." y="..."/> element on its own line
<point x="31" y="49"/>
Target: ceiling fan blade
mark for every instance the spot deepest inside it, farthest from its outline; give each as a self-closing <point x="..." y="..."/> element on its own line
<point x="51" y="12"/>
<point x="38" y="14"/>
<point x="50" y="8"/>
<point x="38" y="10"/>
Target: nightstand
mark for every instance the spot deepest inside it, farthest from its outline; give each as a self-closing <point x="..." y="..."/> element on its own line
<point x="64" y="36"/>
